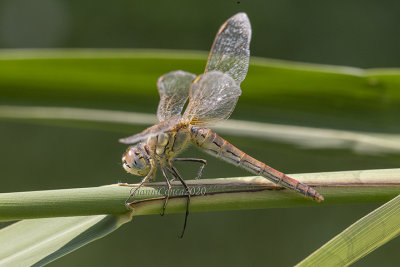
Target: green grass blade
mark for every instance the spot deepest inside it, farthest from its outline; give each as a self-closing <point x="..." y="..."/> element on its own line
<point x="347" y="187"/>
<point x="275" y="91"/>
<point x="45" y="240"/>
<point x="361" y="238"/>
<point x="362" y="142"/>
<point x="37" y="242"/>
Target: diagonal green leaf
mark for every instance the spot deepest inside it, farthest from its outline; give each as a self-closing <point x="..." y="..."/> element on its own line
<point x="364" y="236"/>
<point x="37" y="242"/>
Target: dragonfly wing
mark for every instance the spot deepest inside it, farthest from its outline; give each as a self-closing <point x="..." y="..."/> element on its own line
<point x="152" y="131"/>
<point x="213" y="97"/>
<point x="173" y="88"/>
<point x="230" y="51"/>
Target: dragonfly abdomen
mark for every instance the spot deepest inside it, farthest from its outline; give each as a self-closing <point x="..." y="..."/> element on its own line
<point x="215" y="145"/>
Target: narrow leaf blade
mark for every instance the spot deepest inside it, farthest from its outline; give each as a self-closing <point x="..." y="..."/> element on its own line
<point x="360" y="239"/>
<point x="37" y="242"/>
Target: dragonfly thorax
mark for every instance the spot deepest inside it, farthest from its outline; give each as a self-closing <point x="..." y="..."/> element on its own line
<point x="136" y="160"/>
<point x="167" y="145"/>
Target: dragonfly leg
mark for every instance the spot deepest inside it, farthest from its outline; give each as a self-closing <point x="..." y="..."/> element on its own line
<point x="201" y="161"/>
<point x="169" y="191"/>
<point x="175" y="173"/>
<point x="134" y="189"/>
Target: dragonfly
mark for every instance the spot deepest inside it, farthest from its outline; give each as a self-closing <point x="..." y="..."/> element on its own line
<point x="211" y="97"/>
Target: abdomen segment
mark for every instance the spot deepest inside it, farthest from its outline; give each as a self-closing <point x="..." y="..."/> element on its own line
<point x="215" y="145"/>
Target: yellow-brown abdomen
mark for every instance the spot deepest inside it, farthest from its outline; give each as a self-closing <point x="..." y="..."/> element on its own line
<point x="215" y="145"/>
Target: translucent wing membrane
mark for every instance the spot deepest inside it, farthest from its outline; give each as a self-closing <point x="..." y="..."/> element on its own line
<point x="213" y="97"/>
<point x="152" y="131"/>
<point x="173" y="88"/>
<point x="230" y="51"/>
<point x="214" y="94"/>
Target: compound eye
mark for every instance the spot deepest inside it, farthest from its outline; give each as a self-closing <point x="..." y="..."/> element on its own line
<point x="138" y="163"/>
<point x="134" y="162"/>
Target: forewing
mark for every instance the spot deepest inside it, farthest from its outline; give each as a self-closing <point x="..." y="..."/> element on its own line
<point x="213" y="97"/>
<point x="151" y="131"/>
<point x="230" y="51"/>
<point x="173" y="88"/>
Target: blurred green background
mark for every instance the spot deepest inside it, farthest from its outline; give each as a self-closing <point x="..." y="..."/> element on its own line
<point x="362" y="34"/>
<point x="45" y="155"/>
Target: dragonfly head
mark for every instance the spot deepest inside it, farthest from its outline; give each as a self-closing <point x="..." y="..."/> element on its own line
<point x="136" y="160"/>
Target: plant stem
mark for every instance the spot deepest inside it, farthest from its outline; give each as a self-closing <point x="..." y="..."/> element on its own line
<point x="348" y="187"/>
